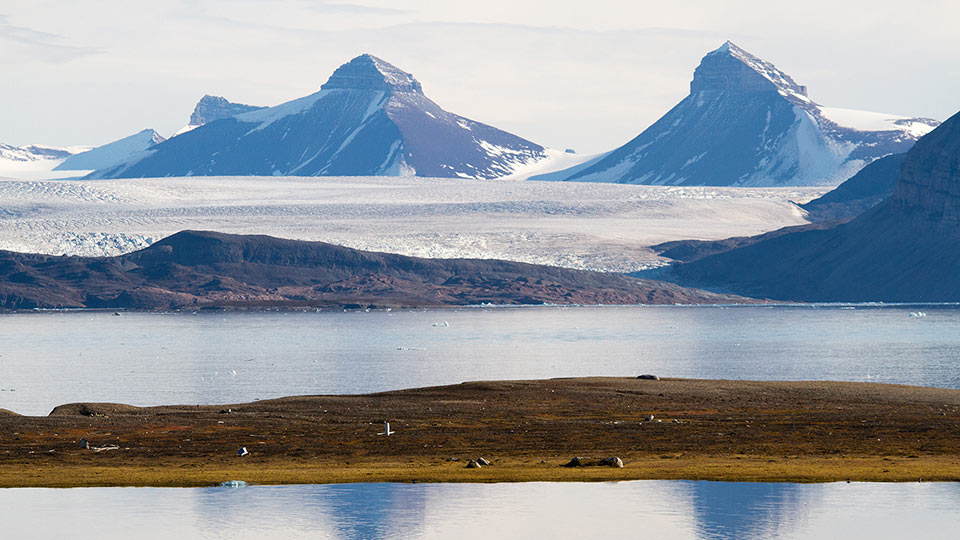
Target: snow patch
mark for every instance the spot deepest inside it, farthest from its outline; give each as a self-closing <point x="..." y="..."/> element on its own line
<point x="265" y="117"/>
<point x="874" y="121"/>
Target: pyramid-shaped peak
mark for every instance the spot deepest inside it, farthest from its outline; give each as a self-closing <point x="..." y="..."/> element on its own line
<point x="367" y="72"/>
<point x="730" y="67"/>
<point x="730" y="48"/>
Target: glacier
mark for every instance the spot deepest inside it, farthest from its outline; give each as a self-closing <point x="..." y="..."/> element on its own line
<point x="603" y="227"/>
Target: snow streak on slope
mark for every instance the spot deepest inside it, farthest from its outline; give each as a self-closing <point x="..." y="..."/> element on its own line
<point x="592" y="226"/>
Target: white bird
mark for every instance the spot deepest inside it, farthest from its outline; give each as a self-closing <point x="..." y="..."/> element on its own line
<point x="386" y="429"/>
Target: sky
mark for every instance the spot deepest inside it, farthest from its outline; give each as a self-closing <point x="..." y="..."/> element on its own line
<point x="582" y="75"/>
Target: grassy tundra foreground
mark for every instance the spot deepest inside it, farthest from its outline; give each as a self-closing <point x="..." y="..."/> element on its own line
<point x="701" y="429"/>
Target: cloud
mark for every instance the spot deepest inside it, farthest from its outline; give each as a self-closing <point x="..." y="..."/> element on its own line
<point x="358" y="9"/>
<point x="28" y="45"/>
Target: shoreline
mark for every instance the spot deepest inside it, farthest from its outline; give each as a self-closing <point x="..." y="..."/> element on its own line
<point x="774" y="431"/>
<point x="285" y="308"/>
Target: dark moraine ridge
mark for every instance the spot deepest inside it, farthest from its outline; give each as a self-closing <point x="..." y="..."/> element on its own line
<point x="905" y="249"/>
<point x="194" y="269"/>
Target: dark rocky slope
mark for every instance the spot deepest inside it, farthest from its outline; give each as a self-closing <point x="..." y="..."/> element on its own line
<point x="206" y="269"/>
<point x="861" y="192"/>
<point x="906" y="249"/>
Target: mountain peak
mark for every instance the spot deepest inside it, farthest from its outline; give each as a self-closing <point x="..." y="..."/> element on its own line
<point x="367" y="72"/>
<point x="211" y="108"/>
<point x="731" y="68"/>
<point x="151" y="135"/>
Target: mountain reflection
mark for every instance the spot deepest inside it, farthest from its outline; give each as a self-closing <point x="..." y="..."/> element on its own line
<point x="728" y="511"/>
<point x="338" y="511"/>
<point x="555" y="511"/>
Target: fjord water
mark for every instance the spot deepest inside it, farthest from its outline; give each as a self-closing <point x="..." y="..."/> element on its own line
<point x="147" y="358"/>
<point x="611" y="510"/>
<point x="47" y="359"/>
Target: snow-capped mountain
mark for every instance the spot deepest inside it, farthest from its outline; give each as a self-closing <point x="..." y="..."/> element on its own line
<point x="746" y="123"/>
<point x="33" y="152"/>
<point x="34" y="159"/>
<point x="211" y="108"/>
<point x="112" y="154"/>
<point x="370" y="118"/>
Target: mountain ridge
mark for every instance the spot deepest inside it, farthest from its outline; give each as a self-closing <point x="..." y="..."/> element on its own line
<point x="194" y="269"/>
<point x="113" y="153"/>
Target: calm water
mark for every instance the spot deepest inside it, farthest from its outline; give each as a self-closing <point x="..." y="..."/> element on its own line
<point x="649" y="509"/>
<point x="52" y="358"/>
<point x="47" y="359"/>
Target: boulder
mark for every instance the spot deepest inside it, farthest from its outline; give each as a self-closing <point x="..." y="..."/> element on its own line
<point x="612" y="462"/>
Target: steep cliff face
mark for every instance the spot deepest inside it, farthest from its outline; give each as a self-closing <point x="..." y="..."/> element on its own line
<point x="747" y="123"/>
<point x="906" y="249"/>
<point x="929" y="184"/>
<point x="369" y="118"/>
<point x="211" y="108"/>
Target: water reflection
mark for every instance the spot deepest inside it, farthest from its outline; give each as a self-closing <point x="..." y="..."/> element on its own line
<point x="651" y="509"/>
<point x="723" y="510"/>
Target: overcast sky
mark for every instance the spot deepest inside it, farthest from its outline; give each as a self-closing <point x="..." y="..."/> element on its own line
<point x="588" y="75"/>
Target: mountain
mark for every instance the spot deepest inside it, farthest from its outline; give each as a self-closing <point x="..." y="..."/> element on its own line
<point x="35" y="158"/>
<point x="205" y="269"/>
<point x="862" y="191"/>
<point x="211" y="108"/>
<point x="905" y="249"/>
<point x="746" y="123"/>
<point x="369" y="118"/>
<point x="112" y="154"/>
<point x="34" y="153"/>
